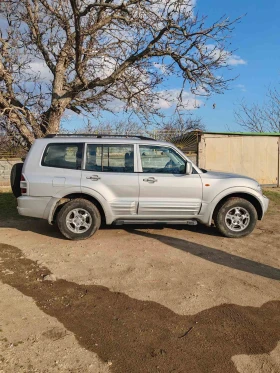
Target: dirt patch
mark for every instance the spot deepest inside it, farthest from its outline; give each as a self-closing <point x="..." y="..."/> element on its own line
<point x="144" y="336"/>
<point x="54" y="334"/>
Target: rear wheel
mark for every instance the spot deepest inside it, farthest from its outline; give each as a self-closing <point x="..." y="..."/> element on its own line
<point x="15" y="179"/>
<point x="235" y="218"/>
<point x="78" y="219"/>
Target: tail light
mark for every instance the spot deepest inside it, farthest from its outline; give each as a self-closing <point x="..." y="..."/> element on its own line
<point x="23" y="185"/>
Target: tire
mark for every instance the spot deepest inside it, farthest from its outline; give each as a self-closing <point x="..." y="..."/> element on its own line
<point x="15" y="179"/>
<point x="78" y="219"/>
<point x="235" y="218"/>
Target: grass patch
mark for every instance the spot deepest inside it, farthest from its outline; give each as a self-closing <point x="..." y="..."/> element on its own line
<point x="273" y="195"/>
<point x="8" y="206"/>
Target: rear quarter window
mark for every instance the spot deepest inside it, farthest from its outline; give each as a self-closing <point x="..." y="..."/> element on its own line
<point x="63" y="156"/>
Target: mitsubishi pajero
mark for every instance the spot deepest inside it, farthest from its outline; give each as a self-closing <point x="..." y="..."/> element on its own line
<point x="80" y="181"/>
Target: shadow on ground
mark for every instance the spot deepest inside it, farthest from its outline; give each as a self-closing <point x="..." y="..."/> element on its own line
<point x="143" y="336"/>
<point x="204" y="252"/>
<point x="40" y="226"/>
<point x="217" y="256"/>
<point x="214" y="255"/>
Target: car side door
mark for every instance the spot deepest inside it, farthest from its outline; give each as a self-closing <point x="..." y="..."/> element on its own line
<point x="166" y="191"/>
<point x="108" y="174"/>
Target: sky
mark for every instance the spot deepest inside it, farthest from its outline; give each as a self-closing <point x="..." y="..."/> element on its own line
<point x="256" y="42"/>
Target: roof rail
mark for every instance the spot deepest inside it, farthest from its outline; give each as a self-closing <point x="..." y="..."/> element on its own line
<point x="98" y="136"/>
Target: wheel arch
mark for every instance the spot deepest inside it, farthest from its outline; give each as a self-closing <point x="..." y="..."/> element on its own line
<point x="249" y="197"/>
<point x="61" y="202"/>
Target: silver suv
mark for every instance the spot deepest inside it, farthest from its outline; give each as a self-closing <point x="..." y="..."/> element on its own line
<point x="78" y="182"/>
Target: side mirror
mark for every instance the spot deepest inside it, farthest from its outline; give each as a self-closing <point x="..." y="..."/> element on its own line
<point x="188" y="168"/>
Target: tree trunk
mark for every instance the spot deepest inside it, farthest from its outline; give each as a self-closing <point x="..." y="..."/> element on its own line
<point x="53" y="124"/>
<point x="54" y="115"/>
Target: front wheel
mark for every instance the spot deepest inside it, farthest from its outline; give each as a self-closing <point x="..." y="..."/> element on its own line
<point x="78" y="219"/>
<point x="236" y="218"/>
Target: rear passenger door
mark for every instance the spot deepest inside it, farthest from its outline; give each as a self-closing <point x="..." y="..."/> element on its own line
<point x="109" y="172"/>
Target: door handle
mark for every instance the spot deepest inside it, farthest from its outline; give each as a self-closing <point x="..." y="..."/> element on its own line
<point x="94" y="177"/>
<point x="150" y="180"/>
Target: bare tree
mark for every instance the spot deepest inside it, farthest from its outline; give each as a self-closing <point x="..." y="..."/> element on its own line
<point x="180" y="125"/>
<point x="176" y="126"/>
<point x="86" y="56"/>
<point x="125" y="127"/>
<point x="264" y="118"/>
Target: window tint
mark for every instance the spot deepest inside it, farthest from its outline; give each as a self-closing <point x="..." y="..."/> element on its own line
<point x="110" y="158"/>
<point x="94" y="158"/>
<point x="157" y="159"/>
<point x="63" y="156"/>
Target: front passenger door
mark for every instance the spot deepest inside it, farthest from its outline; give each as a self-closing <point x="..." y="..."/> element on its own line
<point x="165" y="189"/>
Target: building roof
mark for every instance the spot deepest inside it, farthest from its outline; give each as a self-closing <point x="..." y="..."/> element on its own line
<point x="242" y="133"/>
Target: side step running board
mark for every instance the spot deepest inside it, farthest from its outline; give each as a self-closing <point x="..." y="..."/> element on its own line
<point x="151" y="221"/>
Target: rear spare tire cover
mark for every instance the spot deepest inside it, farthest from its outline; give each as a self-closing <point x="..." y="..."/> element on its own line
<point x="15" y="179"/>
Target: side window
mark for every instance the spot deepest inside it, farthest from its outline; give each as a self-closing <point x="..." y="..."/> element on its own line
<point x="94" y="158"/>
<point x="157" y="159"/>
<point x="110" y="158"/>
<point x="63" y="156"/>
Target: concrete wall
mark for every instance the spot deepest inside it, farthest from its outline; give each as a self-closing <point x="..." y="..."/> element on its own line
<point x="5" y="170"/>
<point x="254" y="156"/>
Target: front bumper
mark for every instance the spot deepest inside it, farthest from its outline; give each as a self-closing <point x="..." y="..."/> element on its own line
<point x="32" y="206"/>
<point x="265" y="203"/>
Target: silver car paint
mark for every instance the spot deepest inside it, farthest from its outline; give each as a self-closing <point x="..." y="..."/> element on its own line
<point x="126" y="195"/>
